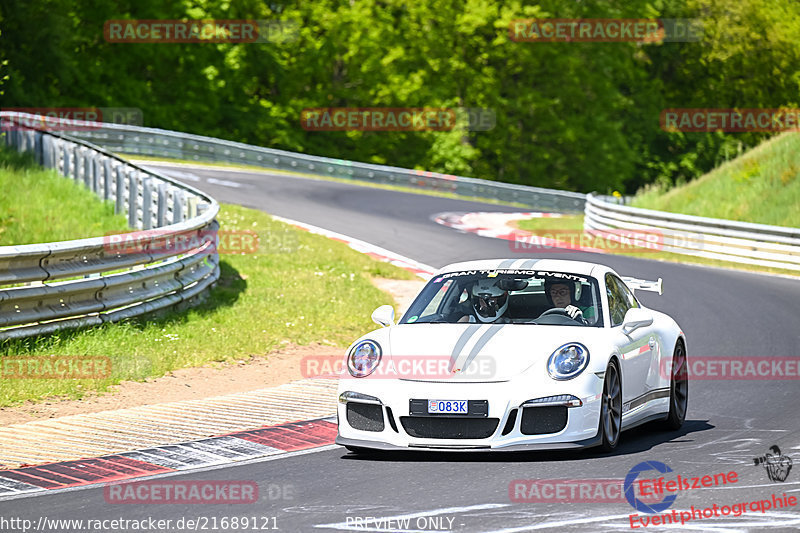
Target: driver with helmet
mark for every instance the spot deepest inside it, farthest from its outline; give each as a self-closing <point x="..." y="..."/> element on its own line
<point x="487" y="303"/>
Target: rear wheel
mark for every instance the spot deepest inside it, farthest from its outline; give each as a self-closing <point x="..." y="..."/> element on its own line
<point x="678" y="389"/>
<point x="611" y="408"/>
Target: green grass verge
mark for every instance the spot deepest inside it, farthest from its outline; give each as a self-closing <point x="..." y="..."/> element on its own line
<point x="574" y="223"/>
<point x="398" y="188"/>
<point x="762" y="186"/>
<point x="297" y="288"/>
<point x="38" y="205"/>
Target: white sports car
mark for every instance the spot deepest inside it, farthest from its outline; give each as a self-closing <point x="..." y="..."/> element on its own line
<point x="514" y="354"/>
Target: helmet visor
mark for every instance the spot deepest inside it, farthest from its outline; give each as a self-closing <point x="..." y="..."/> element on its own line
<point x="487" y="305"/>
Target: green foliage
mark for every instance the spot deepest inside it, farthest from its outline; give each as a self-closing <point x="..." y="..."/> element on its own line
<point x="579" y="116"/>
<point x="55" y="209"/>
<point x="762" y="186"/>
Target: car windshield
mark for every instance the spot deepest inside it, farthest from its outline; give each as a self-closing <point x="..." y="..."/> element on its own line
<point x="508" y="297"/>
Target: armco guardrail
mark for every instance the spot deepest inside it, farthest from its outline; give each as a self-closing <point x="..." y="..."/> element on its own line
<point x="83" y="282"/>
<point x="737" y="242"/>
<point x="149" y="142"/>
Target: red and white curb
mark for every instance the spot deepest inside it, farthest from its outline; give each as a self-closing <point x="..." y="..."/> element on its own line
<point x="376" y="252"/>
<point x="213" y="451"/>
<point x="488" y="224"/>
<point x="498" y="226"/>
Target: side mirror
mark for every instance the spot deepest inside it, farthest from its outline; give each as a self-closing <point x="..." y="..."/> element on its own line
<point x="384" y="316"/>
<point x="636" y="318"/>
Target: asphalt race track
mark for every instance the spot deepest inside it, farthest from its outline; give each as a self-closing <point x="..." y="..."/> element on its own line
<point x="723" y="313"/>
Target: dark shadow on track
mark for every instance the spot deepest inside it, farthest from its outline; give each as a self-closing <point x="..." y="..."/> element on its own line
<point x="633" y="441"/>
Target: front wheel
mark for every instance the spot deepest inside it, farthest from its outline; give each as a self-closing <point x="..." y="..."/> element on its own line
<point x="611" y="408"/>
<point x="678" y="389"/>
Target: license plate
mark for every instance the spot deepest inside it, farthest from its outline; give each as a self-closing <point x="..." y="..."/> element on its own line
<point x="454" y="407"/>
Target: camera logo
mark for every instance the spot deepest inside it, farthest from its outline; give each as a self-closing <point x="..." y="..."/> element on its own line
<point x="638" y="504"/>
<point x="776" y="464"/>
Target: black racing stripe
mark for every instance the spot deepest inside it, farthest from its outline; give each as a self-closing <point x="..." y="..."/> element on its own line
<point x="644" y="398"/>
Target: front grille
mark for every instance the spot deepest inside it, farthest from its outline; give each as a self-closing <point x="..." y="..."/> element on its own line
<point x="439" y="427"/>
<point x="365" y="416"/>
<point x="540" y="420"/>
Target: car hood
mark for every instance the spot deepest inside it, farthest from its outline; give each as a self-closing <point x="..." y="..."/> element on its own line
<point x="477" y="352"/>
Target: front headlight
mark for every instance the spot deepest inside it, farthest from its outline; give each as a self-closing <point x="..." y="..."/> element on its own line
<point x="568" y="361"/>
<point x="363" y="359"/>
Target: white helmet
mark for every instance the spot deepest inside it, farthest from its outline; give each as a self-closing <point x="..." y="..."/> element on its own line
<point x="489" y="300"/>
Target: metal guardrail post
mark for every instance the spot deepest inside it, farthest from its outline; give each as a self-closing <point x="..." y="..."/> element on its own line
<point x="191" y="207"/>
<point x="147" y="203"/>
<point x="76" y="160"/>
<point x="107" y="178"/>
<point x="37" y="147"/>
<point x="178" y="207"/>
<point x="119" y="172"/>
<point x="133" y="198"/>
<point x="87" y="170"/>
<point x="47" y="155"/>
<point x="161" y="214"/>
<point x="65" y="154"/>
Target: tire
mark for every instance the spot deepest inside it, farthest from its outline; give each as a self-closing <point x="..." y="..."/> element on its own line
<point x="611" y="408"/>
<point x="678" y="389"/>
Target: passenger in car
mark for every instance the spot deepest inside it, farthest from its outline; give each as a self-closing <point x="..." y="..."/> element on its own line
<point x="561" y="293"/>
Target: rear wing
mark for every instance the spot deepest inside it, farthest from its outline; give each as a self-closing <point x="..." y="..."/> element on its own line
<point x="641" y="284"/>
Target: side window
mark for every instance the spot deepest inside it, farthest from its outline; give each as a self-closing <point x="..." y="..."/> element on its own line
<point x="620" y="299"/>
<point x="433" y="305"/>
<point x="627" y="294"/>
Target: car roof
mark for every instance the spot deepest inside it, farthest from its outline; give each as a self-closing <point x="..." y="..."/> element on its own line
<point x="554" y="265"/>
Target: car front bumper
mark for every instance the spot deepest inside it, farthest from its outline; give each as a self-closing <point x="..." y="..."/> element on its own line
<point x="404" y="428"/>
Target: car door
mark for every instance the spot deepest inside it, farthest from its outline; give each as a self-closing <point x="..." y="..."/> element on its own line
<point x="635" y="347"/>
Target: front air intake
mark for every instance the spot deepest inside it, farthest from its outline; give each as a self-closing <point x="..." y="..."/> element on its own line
<point x="541" y="420"/>
<point x="365" y="416"/>
<point x="440" y="427"/>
